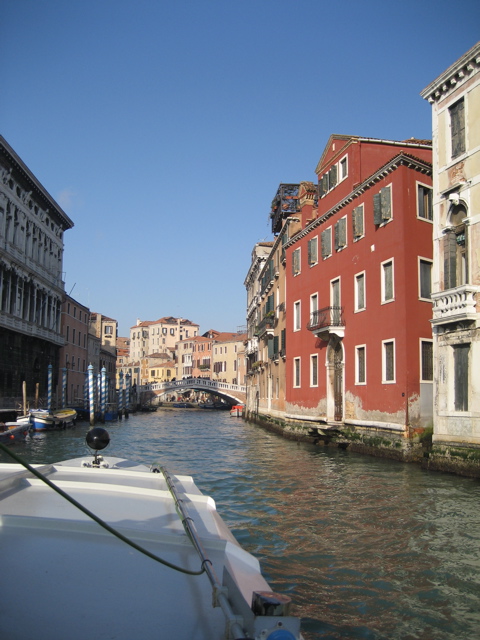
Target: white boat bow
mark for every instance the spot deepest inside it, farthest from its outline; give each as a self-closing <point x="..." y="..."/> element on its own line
<point x="66" y="576"/>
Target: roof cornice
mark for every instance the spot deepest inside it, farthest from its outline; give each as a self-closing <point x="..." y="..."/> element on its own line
<point x="14" y="159"/>
<point x="402" y="159"/>
<point x="457" y="74"/>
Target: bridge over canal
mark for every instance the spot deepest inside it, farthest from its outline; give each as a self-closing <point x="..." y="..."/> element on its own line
<point x="231" y="393"/>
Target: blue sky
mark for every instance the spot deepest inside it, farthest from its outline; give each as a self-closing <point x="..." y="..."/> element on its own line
<point x="164" y="128"/>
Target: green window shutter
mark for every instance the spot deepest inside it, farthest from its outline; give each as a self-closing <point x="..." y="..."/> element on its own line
<point x="386" y="203"/>
<point x="296" y="262"/>
<point x="337" y="227"/>
<point x="275" y="345"/>
<point x="269" y="305"/>
<point x="357" y="220"/>
<point x="270" y="347"/>
<point x="326" y="243"/>
<point x="342" y="232"/>
<point x="312" y="251"/>
<point x="377" y="209"/>
<point x="283" y="339"/>
<point x="333" y="176"/>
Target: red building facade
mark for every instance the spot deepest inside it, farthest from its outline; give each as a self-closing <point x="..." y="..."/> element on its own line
<point x="358" y="286"/>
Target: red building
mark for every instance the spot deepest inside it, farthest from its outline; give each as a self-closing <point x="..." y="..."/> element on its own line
<point x="358" y="285"/>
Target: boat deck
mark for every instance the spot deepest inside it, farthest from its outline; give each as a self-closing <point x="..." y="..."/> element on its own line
<point x="66" y="577"/>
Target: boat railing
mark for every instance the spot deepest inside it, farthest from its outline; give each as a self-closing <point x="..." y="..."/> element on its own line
<point x="219" y="592"/>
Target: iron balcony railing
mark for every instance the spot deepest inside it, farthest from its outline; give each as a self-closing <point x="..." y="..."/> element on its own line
<point x="326" y="317"/>
<point x="267" y="324"/>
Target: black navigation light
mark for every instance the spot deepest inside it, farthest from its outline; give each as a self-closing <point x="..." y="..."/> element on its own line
<point x="97" y="438"/>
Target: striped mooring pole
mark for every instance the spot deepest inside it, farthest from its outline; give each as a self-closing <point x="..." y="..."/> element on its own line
<point x="91" y="395"/>
<point x="128" y="383"/>
<point x="103" y="393"/>
<point x="120" y="395"/>
<point x="85" y="392"/>
<point x="64" y="387"/>
<point x="49" y="387"/>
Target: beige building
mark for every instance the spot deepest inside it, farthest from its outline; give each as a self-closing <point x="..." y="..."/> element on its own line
<point x="157" y="336"/>
<point x="253" y="347"/>
<point x="103" y="349"/>
<point x="455" y="100"/>
<point x="228" y="358"/>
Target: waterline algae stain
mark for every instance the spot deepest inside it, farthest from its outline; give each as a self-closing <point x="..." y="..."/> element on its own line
<point x="365" y="547"/>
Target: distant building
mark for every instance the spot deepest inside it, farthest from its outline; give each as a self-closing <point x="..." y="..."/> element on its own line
<point x="32" y="225"/>
<point x="74" y="354"/>
<point x="228" y="358"/>
<point x="161" y="335"/>
<point x="455" y="100"/>
<point x="103" y="332"/>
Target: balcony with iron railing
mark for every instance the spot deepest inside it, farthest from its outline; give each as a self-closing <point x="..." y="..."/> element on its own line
<point x="265" y="326"/>
<point x="327" y="321"/>
<point x="455" y="305"/>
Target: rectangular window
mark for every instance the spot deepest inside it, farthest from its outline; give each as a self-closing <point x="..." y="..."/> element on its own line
<point x="360" y="292"/>
<point x="357" y="223"/>
<point x="426" y="360"/>
<point x="425" y="278"/>
<point x="360" y="365"/>
<point x="341" y="234"/>
<point x="343" y="166"/>
<point x="424" y="202"/>
<point x="326" y="243"/>
<point x="313" y="251"/>
<point x="460" y="364"/>
<point x="457" y="125"/>
<point x="382" y="206"/>
<point x="387" y="281"/>
<point x="314" y="370"/>
<point x="388" y="361"/>
<point x="296" y="262"/>
<point x="296" y="372"/>
<point x="296" y="316"/>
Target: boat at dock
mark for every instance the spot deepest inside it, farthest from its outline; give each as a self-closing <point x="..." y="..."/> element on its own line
<point x="12" y="431"/>
<point x="237" y="410"/>
<point x="129" y="550"/>
<point x="45" y="420"/>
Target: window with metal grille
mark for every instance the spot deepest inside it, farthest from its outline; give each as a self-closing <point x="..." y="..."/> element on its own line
<point x="314" y="371"/>
<point x="296" y="372"/>
<point x="361" y="370"/>
<point x="389" y="361"/>
<point x="387" y="281"/>
<point x="427" y="360"/>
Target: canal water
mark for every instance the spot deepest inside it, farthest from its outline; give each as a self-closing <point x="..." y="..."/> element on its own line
<point x="366" y="548"/>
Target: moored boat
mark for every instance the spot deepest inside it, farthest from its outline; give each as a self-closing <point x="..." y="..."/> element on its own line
<point x="237" y="410"/>
<point x="44" y="420"/>
<point x="76" y="521"/>
<point x="12" y="431"/>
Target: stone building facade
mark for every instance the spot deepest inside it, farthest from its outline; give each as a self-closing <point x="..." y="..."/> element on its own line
<point x="32" y="225"/>
<point x="455" y="100"/>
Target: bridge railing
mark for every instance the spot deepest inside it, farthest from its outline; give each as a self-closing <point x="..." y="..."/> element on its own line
<point x="197" y="383"/>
